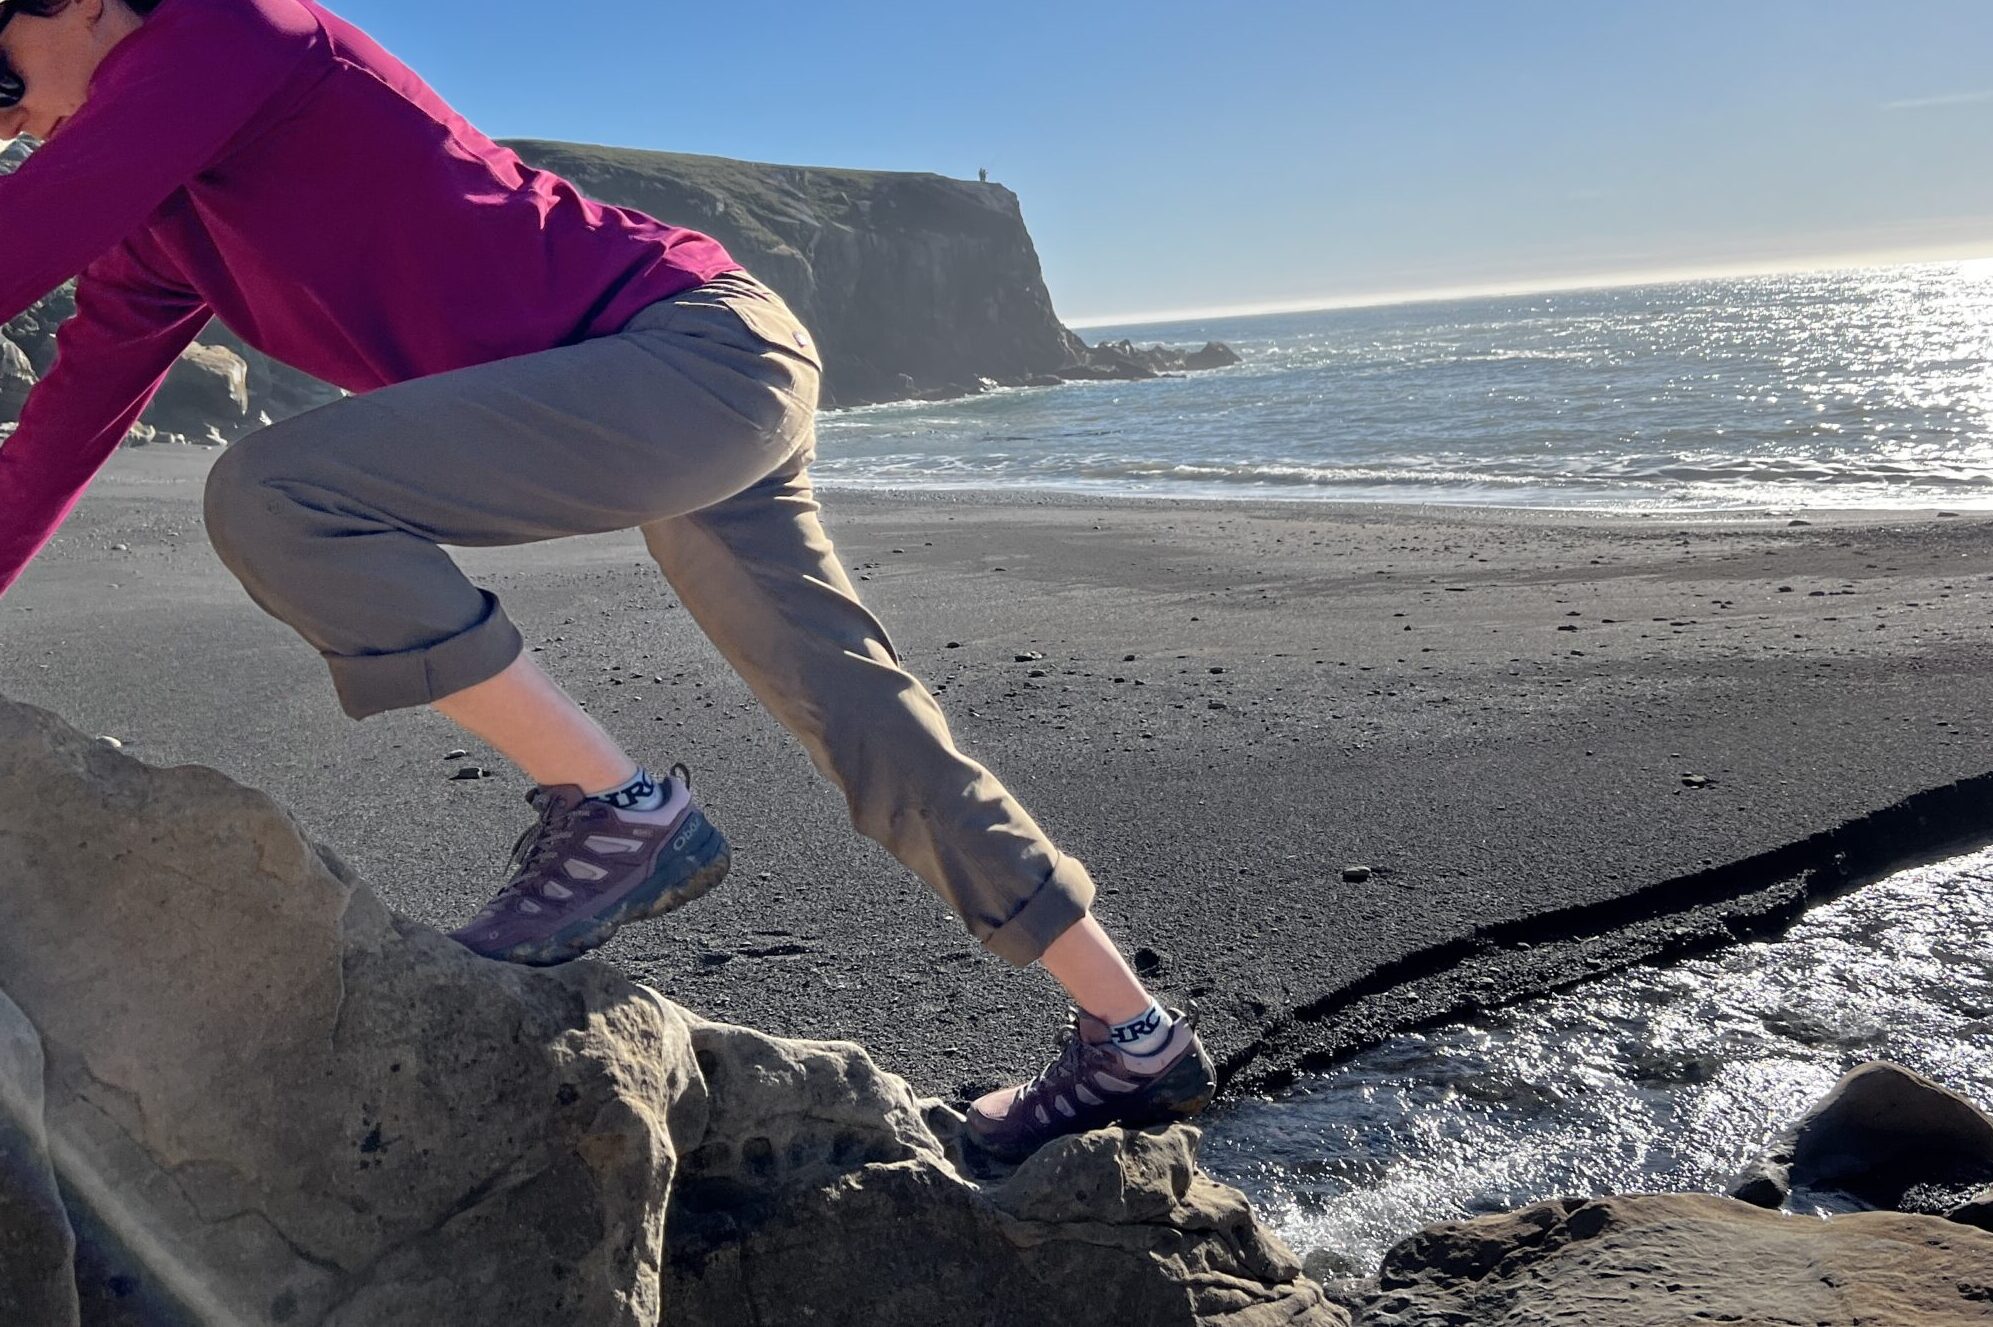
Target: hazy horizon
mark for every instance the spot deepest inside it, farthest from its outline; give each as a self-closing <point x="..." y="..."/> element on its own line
<point x="1551" y="286"/>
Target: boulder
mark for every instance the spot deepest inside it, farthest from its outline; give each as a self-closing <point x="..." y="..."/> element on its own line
<point x="17" y="376"/>
<point x="1661" y="1260"/>
<point x="36" y="1245"/>
<point x="1976" y="1210"/>
<point x="269" y="1099"/>
<point x="274" y="1101"/>
<point x="815" y="1162"/>
<point x="1124" y="359"/>
<point x="1213" y="355"/>
<point x="1885" y="1136"/>
<point x="205" y="396"/>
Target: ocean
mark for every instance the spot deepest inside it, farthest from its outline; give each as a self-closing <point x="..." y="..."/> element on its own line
<point x="1851" y="389"/>
<point x="1650" y="1080"/>
<point x="1865" y="388"/>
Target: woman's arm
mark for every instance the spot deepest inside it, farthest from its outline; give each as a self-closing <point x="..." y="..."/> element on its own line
<point x="164" y="103"/>
<point x="129" y="327"/>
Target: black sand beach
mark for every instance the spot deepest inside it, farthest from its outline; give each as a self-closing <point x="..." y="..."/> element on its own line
<point x="1497" y="712"/>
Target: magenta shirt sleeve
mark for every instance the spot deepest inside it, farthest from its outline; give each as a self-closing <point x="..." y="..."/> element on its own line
<point x="111" y="357"/>
<point x="162" y="105"/>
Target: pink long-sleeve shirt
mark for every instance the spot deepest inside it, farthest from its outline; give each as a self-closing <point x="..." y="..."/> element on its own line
<point x="266" y="162"/>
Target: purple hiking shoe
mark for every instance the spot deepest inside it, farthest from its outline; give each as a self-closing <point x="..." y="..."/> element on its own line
<point x="1090" y="1084"/>
<point x="587" y="868"/>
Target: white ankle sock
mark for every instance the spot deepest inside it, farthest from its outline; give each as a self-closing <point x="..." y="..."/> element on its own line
<point x="1144" y="1034"/>
<point x="641" y="792"/>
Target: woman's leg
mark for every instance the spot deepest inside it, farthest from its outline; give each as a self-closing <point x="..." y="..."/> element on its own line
<point x="762" y="579"/>
<point x="334" y="521"/>
<point x="1089" y="965"/>
<point x="760" y="576"/>
<point x="524" y="713"/>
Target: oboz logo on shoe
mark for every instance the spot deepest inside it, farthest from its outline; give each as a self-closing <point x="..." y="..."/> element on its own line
<point x="685" y="835"/>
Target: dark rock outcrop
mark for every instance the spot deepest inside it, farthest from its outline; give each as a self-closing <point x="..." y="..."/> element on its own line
<point x="1886" y="1137"/>
<point x="1123" y="359"/>
<point x="918" y="286"/>
<point x="1976" y="1210"/>
<point x="269" y="1099"/>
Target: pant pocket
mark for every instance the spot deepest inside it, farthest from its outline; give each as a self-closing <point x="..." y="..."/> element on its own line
<point x="770" y="318"/>
<point x="716" y="349"/>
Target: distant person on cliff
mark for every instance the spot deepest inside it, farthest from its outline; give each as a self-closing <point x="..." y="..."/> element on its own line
<point x="525" y="364"/>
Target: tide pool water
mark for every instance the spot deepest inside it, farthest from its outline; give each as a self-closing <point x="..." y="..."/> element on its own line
<point x="1869" y="388"/>
<point x="1650" y="1080"/>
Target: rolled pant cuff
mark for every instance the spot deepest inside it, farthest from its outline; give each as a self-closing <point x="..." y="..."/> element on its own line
<point x="1061" y="900"/>
<point x="373" y="683"/>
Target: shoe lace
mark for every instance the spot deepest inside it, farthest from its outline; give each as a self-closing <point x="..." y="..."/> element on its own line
<point x="553" y="822"/>
<point x="1064" y="1065"/>
<point x="539" y="841"/>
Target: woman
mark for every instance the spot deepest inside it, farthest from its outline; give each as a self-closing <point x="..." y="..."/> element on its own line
<point x="525" y="364"/>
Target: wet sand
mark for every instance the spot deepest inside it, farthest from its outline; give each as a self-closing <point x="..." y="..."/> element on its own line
<point x="1496" y="712"/>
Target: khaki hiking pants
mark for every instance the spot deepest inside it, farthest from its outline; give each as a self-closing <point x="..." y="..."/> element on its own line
<point x="696" y="424"/>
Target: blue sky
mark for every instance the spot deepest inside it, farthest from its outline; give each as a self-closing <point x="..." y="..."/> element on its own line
<point x="1178" y="156"/>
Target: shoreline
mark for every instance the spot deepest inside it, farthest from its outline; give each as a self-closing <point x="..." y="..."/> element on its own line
<point x="169" y="462"/>
<point x="994" y="495"/>
<point x="1400" y="687"/>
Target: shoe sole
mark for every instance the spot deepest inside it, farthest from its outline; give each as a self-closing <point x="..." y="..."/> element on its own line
<point x="691" y="872"/>
<point x="1194" y="1073"/>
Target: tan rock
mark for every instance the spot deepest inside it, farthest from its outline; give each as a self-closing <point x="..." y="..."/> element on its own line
<point x="284" y="1103"/>
<point x="1662" y="1260"/>
<point x="17" y="378"/>
<point x="205" y="395"/>
<point x="823" y="1176"/>
<point x="276" y="1102"/>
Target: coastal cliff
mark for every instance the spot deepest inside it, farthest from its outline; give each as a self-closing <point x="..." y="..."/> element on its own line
<point x="916" y="285"/>
<point x="901" y="276"/>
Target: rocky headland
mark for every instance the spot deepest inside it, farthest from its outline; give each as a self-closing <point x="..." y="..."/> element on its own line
<point x="918" y="286"/>
<point x="235" y="1087"/>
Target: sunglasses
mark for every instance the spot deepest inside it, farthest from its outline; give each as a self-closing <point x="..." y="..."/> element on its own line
<point x="12" y="88"/>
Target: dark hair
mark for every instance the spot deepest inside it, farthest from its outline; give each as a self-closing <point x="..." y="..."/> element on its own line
<point x="44" y="8"/>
